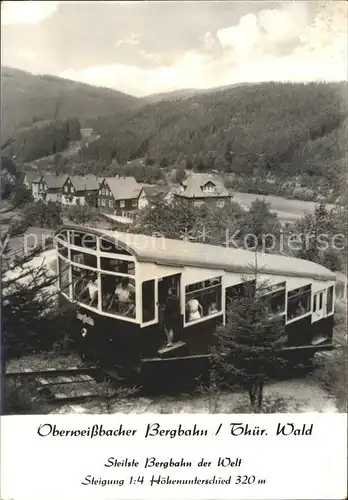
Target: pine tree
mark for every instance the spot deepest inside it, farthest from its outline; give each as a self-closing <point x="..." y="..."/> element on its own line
<point x="248" y="347"/>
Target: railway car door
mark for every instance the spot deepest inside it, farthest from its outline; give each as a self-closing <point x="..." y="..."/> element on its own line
<point x="169" y="312"/>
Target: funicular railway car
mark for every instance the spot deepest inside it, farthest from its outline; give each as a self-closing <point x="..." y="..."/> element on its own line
<point x="121" y="285"/>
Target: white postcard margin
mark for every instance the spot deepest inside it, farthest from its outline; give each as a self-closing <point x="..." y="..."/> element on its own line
<point x="229" y="456"/>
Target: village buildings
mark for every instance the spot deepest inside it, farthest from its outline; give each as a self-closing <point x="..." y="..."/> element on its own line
<point x="118" y="195"/>
<point x="203" y="188"/>
<point x="47" y="187"/>
<point x="151" y="195"/>
<point x="80" y="190"/>
<point x="123" y="196"/>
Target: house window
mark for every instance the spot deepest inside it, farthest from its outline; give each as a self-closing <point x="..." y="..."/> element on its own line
<point x="111" y="203"/>
<point x="122" y="203"/>
<point x="202" y="299"/>
<point x="134" y="203"/>
<point x="65" y="189"/>
<point x="299" y="302"/>
<point x="209" y="188"/>
<point x="148" y="294"/>
<point x="329" y="300"/>
<point x="103" y="191"/>
<point x="220" y="204"/>
<point x="103" y="203"/>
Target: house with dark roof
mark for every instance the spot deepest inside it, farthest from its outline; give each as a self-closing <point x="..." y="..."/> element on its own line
<point x="203" y="188"/>
<point x="80" y="190"/>
<point x="152" y="194"/>
<point x="118" y="195"/>
<point x="47" y="187"/>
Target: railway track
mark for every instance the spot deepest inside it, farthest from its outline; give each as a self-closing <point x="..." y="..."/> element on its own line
<point x="71" y="385"/>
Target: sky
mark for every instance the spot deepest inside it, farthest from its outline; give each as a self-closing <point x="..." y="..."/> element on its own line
<point x="149" y="47"/>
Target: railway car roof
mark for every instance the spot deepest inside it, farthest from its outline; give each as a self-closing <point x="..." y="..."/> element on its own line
<point x="180" y="253"/>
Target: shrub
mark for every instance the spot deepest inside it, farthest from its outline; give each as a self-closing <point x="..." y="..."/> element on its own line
<point x="275" y="404"/>
<point x="22" y="398"/>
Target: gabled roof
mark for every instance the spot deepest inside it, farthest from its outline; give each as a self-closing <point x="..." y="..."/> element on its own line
<point x="37" y="178"/>
<point x="55" y="181"/>
<point x="31" y="176"/>
<point x="86" y="182"/>
<point x="192" y="186"/>
<point x="123" y="188"/>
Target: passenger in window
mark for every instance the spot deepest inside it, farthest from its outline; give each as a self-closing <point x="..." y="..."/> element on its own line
<point x="195" y="309"/>
<point x="124" y="297"/>
<point x="90" y="291"/>
<point x="279" y="309"/>
<point x="300" y="310"/>
<point x="123" y="290"/>
<point x="212" y="309"/>
<point x="93" y="290"/>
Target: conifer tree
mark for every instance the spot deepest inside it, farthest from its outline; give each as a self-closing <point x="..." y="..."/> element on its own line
<point x="248" y="347"/>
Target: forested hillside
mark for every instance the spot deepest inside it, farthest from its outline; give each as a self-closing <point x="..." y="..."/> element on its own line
<point x="44" y="139"/>
<point x="257" y="132"/>
<point x="28" y="98"/>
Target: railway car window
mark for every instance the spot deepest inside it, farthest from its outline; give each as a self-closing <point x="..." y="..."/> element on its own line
<point x="275" y="296"/>
<point x="239" y="290"/>
<point x="63" y="236"/>
<point x="83" y="258"/>
<point x="277" y="302"/>
<point x="62" y="250"/>
<point x="108" y="247"/>
<point x="329" y="300"/>
<point x="318" y="301"/>
<point x="203" y="299"/>
<point x="299" y="302"/>
<point x="85" y="286"/>
<point x="118" y="295"/>
<point x="118" y="266"/>
<point x="148" y="295"/>
<point x="84" y="240"/>
<point x="64" y="278"/>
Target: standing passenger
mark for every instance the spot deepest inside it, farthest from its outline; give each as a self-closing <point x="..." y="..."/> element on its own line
<point x="171" y="316"/>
